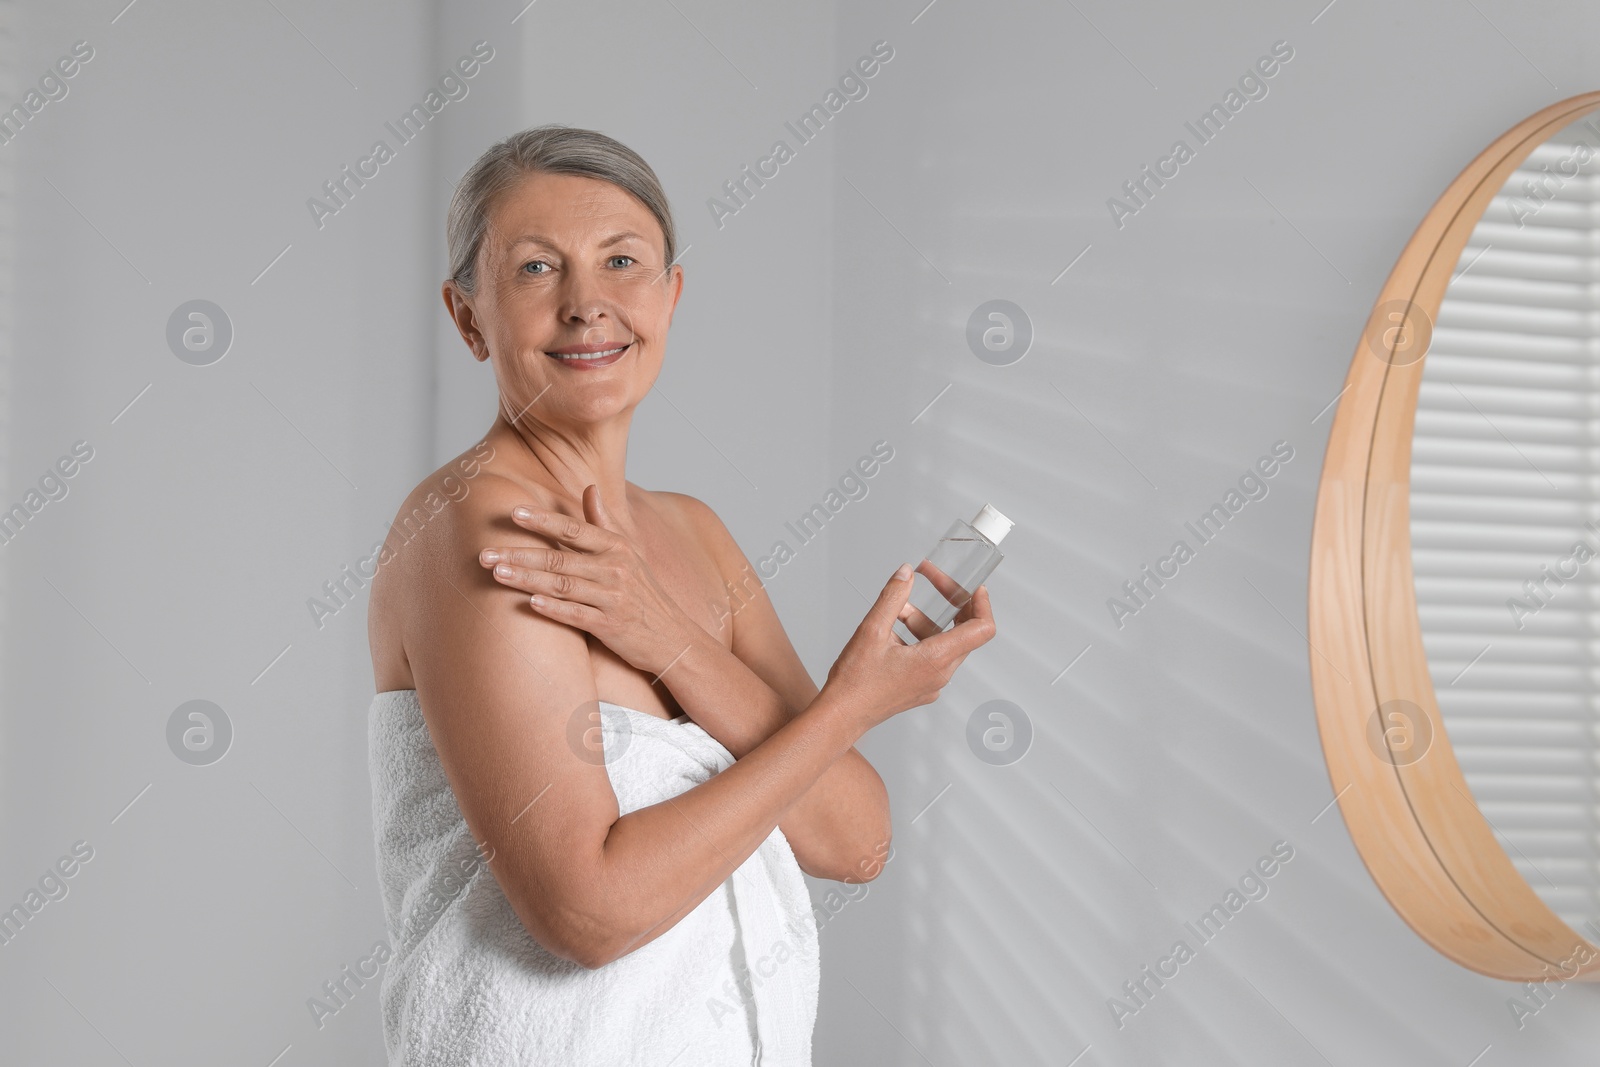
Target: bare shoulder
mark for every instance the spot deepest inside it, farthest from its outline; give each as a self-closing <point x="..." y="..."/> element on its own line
<point x="697" y="518"/>
<point x="432" y="546"/>
<point x="450" y="502"/>
<point x="758" y="639"/>
<point x="740" y="581"/>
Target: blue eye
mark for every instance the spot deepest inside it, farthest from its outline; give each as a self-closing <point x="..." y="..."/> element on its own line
<point x="630" y="259"/>
<point x="535" y="263"/>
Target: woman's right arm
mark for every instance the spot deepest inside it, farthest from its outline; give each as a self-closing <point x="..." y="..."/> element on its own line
<point x="508" y="694"/>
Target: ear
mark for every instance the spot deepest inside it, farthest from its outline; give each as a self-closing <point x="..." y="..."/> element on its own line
<point x="459" y="307"/>
<point x="677" y="290"/>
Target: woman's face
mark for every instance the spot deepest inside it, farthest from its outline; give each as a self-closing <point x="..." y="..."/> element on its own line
<point x="568" y="264"/>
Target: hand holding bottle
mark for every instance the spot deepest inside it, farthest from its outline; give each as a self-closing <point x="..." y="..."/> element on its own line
<point x="951" y="573"/>
<point x="912" y="617"/>
<point x="877" y="675"/>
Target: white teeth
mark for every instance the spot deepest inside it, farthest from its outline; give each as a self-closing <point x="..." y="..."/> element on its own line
<point x="589" y="355"/>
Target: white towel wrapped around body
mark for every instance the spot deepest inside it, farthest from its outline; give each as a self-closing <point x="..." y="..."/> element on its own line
<point x="733" y="982"/>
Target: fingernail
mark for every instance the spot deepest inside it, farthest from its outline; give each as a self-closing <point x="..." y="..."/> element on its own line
<point x="903" y="572"/>
<point x="490" y="556"/>
<point x="522" y="513"/>
<point x="502" y="571"/>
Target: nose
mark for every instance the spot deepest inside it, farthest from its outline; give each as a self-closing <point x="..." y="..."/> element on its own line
<point x="589" y="320"/>
<point x="580" y="298"/>
<point x="583" y="307"/>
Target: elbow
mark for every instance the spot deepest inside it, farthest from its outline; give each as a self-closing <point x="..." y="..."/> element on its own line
<point x="868" y="867"/>
<point x="589" y="944"/>
<point x="874" y="848"/>
<point x="597" y="950"/>
<point x="591" y="958"/>
<point x="861" y="863"/>
<point x="865" y="874"/>
<point x="577" y="947"/>
<point x="577" y="935"/>
<point x="874" y="854"/>
<point x="583" y="948"/>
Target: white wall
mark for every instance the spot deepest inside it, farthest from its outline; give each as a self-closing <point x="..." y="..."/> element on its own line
<point x="180" y="562"/>
<point x="1219" y="319"/>
<point x="824" y="316"/>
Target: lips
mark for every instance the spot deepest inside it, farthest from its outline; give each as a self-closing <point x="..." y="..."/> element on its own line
<point x="589" y="357"/>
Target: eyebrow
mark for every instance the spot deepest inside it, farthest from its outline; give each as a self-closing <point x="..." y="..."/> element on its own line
<point x="616" y="238"/>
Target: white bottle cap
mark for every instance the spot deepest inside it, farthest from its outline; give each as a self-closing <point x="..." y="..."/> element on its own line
<point x="992" y="524"/>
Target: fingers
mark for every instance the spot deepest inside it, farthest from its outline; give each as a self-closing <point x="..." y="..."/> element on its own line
<point x="563" y="528"/>
<point x="977" y="616"/>
<point x="966" y="635"/>
<point x="969" y="607"/>
<point x="581" y="616"/>
<point x="941" y="581"/>
<point x="977" y="606"/>
<point x="919" y="624"/>
<point x="593" y="510"/>
<point x="922" y="626"/>
<point x="887" y="607"/>
<point x="544" y="559"/>
<point x="551" y="584"/>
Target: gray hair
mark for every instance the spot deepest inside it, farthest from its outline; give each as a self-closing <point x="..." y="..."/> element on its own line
<point x="549" y="149"/>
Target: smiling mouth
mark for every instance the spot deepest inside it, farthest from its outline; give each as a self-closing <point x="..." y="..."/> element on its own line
<point x="599" y="358"/>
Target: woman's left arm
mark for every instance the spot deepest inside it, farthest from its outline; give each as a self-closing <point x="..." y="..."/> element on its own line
<point x="840" y="828"/>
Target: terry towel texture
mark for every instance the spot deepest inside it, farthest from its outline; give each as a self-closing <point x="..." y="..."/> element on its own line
<point x="734" y="982"/>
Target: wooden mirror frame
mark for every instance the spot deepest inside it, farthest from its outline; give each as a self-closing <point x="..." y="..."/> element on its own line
<point x="1408" y="808"/>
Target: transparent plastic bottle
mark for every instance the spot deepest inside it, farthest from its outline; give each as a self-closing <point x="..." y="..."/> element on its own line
<point x="966" y="555"/>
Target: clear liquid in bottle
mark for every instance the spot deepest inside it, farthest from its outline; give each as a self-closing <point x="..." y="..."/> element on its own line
<point x="946" y="579"/>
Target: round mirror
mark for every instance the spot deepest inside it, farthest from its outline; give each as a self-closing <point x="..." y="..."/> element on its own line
<point x="1505" y="517"/>
<point x="1453" y="615"/>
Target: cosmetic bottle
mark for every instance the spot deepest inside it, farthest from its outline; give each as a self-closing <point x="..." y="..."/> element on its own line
<point x="958" y="564"/>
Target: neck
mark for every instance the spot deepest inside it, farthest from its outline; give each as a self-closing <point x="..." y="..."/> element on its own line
<point x="566" y="461"/>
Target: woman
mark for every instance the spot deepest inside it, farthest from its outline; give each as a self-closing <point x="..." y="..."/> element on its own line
<point x="589" y="718"/>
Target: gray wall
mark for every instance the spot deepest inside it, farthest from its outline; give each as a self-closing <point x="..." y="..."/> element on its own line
<point x="822" y="317"/>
